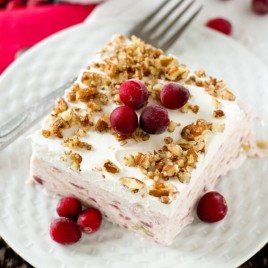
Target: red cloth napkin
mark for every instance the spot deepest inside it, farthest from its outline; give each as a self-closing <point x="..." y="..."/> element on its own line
<point x="23" y="27"/>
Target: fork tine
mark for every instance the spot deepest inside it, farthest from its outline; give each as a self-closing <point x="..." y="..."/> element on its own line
<point x="168" y="27"/>
<point x="171" y="10"/>
<point x="152" y="14"/>
<point x="175" y="36"/>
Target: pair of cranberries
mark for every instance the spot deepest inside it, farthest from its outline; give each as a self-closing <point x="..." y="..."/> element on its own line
<point x="154" y="119"/>
<point x="73" y="220"/>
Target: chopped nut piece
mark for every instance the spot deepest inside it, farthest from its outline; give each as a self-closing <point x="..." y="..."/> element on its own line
<point x="262" y="144"/>
<point x="85" y="94"/>
<point x="218" y="113"/>
<point x="200" y="73"/>
<point x="60" y="106"/>
<point x="110" y="167"/>
<point x="77" y="159"/>
<point x="216" y="103"/>
<point x="159" y="192"/>
<point x="102" y="124"/>
<point x="76" y="143"/>
<point x="168" y="140"/>
<point x="132" y="184"/>
<point x="175" y="149"/>
<point x="46" y="133"/>
<point x="67" y="115"/>
<point x="172" y="126"/>
<point x="194" y="131"/>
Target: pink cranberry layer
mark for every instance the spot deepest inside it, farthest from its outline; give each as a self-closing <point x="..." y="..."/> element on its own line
<point x="133" y="93"/>
<point x="212" y="207"/>
<point x="65" y="231"/>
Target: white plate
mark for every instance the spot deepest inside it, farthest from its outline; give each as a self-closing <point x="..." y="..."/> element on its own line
<point x="26" y="211"/>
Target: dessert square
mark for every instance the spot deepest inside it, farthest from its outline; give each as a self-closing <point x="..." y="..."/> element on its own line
<point x="144" y="182"/>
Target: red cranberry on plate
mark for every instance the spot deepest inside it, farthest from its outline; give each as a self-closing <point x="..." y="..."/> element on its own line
<point x="212" y="207"/>
<point x="221" y="25"/>
<point x="65" y="231"/>
<point x="69" y="207"/>
<point x="90" y="220"/>
<point x="260" y="6"/>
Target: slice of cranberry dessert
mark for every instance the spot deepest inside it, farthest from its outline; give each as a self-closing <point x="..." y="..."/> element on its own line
<point x="141" y="137"/>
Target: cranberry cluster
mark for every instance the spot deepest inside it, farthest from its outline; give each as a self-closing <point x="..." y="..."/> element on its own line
<point x="73" y="220"/>
<point x="153" y="119"/>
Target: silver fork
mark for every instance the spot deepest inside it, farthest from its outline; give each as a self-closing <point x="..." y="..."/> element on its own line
<point x="157" y="34"/>
<point x="14" y="128"/>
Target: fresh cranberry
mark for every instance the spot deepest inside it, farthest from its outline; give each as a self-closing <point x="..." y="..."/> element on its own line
<point x="174" y="95"/>
<point x="69" y="207"/>
<point x="212" y="207"/>
<point x="65" y="231"/>
<point x="124" y="120"/>
<point x="154" y="119"/>
<point x="90" y="220"/>
<point x="133" y="93"/>
<point x="221" y="25"/>
<point x="260" y="6"/>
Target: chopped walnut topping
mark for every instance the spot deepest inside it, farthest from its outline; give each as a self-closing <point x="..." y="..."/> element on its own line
<point x="92" y="79"/>
<point x="246" y="147"/>
<point x="172" y="126"/>
<point x="218" y="113"/>
<point x="67" y="115"/>
<point x="262" y="144"/>
<point x="188" y="106"/>
<point x="175" y="149"/>
<point x="217" y="104"/>
<point x="74" y="159"/>
<point x="46" y="133"/>
<point x="103" y="124"/>
<point x="76" y="143"/>
<point x="168" y="140"/>
<point x="71" y="96"/>
<point x="77" y="159"/>
<point x="94" y="106"/>
<point x="85" y="94"/>
<point x="60" y="106"/>
<point x="200" y="73"/>
<point x="110" y="167"/>
<point x="132" y="184"/>
<point x="195" y="130"/>
<point x="166" y="192"/>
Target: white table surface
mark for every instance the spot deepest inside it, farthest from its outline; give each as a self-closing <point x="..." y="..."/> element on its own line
<point x="249" y="28"/>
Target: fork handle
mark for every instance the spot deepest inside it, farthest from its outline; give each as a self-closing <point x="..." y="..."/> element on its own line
<point x="18" y="125"/>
